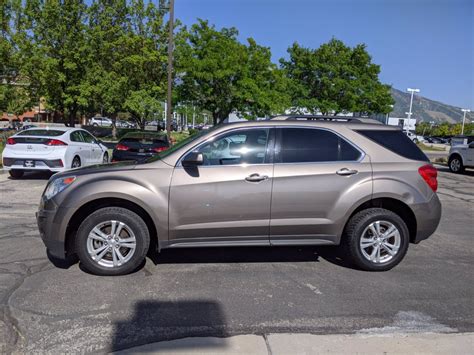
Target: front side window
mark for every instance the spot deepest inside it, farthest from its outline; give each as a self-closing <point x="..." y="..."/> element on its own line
<point x="238" y="147"/>
<point x="303" y="145"/>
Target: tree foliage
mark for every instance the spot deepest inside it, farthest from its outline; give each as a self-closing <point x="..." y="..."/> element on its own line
<point x="219" y="73"/>
<point x="335" y="78"/>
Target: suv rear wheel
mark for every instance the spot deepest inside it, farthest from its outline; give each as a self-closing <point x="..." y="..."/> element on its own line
<point x="455" y="164"/>
<point x="376" y="239"/>
<point x="112" y="241"/>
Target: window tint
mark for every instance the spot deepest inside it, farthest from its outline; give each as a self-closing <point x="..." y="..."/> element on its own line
<point x="76" y="136"/>
<point x="241" y="147"/>
<point x="397" y="142"/>
<point x="87" y="137"/>
<point x="302" y="145"/>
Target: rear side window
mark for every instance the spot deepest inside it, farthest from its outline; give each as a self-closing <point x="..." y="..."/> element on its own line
<point x="303" y="145"/>
<point x="397" y="142"/>
<point x="76" y="136"/>
<point x="41" y="132"/>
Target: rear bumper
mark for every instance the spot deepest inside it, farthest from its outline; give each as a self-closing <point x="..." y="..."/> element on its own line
<point x="118" y="155"/>
<point x="15" y="163"/>
<point x="427" y="216"/>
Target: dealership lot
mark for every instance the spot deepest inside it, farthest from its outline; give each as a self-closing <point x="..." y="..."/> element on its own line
<point x="223" y="292"/>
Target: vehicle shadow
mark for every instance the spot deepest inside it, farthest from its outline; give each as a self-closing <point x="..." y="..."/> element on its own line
<point x="34" y="175"/>
<point x="250" y="255"/>
<point x="155" y="321"/>
<point x="445" y="169"/>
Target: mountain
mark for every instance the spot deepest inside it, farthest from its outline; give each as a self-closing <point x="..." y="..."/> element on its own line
<point x="425" y="109"/>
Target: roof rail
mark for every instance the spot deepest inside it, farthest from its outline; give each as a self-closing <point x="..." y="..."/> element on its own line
<point x="312" y="117"/>
<point x="323" y="118"/>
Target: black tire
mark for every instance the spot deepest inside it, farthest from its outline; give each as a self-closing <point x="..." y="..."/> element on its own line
<point x="455" y="164"/>
<point x="76" y="162"/>
<point x="415" y="141"/>
<point x="16" y="174"/>
<point x="105" y="158"/>
<point x="133" y="221"/>
<point x="353" y="233"/>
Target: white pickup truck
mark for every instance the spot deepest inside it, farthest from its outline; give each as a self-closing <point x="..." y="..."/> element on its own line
<point x="461" y="154"/>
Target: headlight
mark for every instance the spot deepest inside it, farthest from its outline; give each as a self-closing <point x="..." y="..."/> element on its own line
<point x="57" y="186"/>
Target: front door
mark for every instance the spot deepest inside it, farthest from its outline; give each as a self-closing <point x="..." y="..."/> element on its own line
<point x="227" y="199"/>
<point x="318" y="177"/>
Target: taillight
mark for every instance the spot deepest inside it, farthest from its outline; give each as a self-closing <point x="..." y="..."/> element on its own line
<point x="121" y="147"/>
<point x="429" y="174"/>
<point x="55" y="142"/>
<point x="11" y="141"/>
<point x="159" y="149"/>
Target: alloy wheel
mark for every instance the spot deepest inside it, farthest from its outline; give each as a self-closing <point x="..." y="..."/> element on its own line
<point x="455" y="165"/>
<point x="111" y="244"/>
<point x="380" y="242"/>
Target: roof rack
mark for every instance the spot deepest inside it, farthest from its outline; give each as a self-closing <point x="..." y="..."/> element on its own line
<point x="323" y="118"/>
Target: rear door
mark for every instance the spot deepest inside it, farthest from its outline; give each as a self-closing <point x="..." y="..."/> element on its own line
<point x="94" y="149"/>
<point x="318" y="177"/>
<point x="78" y="148"/>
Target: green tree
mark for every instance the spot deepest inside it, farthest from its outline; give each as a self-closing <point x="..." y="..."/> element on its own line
<point x="218" y="73"/>
<point x="53" y="52"/>
<point x="143" y="106"/>
<point x="335" y="78"/>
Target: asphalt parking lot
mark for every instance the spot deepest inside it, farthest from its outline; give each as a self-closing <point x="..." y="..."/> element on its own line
<point x="222" y="292"/>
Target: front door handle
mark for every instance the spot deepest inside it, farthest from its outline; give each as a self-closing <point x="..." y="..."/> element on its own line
<point x="346" y="172"/>
<point x="256" y="177"/>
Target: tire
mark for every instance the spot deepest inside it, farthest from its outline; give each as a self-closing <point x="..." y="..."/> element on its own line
<point x="76" y="162"/>
<point x="415" y="141"/>
<point x="16" y="174"/>
<point x="134" y="227"/>
<point x="95" y="125"/>
<point x="359" y="226"/>
<point x="105" y="158"/>
<point x="455" y="164"/>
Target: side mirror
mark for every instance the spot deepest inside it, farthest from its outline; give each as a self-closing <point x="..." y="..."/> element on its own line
<point x="471" y="145"/>
<point x="193" y="159"/>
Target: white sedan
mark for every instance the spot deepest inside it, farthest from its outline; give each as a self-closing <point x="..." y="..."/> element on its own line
<point x="54" y="149"/>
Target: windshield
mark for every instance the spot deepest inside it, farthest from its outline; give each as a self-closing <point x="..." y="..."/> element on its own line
<point x="179" y="145"/>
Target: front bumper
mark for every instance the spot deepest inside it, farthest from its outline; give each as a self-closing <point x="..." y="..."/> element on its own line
<point x="52" y="229"/>
<point x="427" y="217"/>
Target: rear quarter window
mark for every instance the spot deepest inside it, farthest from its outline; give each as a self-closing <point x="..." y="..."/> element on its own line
<point x="395" y="141"/>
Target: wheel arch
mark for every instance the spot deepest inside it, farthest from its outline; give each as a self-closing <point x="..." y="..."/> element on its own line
<point x="86" y="209"/>
<point x="394" y="205"/>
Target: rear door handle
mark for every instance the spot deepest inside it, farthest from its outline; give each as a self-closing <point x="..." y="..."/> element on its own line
<point x="346" y="172"/>
<point x="256" y="177"/>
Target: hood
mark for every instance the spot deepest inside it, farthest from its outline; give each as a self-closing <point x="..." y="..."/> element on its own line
<point x="99" y="168"/>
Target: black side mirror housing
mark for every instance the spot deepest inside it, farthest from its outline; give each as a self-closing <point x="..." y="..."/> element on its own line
<point x="193" y="159"/>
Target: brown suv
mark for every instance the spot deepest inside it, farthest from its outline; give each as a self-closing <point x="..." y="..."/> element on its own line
<point x="267" y="183"/>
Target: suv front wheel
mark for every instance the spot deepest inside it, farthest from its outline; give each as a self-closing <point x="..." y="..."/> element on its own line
<point x="455" y="164"/>
<point x="112" y="241"/>
<point x="376" y="239"/>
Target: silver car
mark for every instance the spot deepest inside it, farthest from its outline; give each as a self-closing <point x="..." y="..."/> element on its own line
<point x="365" y="187"/>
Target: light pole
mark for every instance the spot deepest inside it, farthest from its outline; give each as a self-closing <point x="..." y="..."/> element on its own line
<point x="409" y="113"/>
<point x="170" y="70"/>
<point x="464" y="119"/>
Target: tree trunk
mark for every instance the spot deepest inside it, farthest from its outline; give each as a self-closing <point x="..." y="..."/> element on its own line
<point x="72" y="117"/>
<point x="215" y="118"/>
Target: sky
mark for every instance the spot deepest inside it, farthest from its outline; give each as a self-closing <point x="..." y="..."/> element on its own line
<point x="424" y="44"/>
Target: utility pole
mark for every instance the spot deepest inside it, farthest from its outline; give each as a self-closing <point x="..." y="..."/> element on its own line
<point x="170" y="70"/>
<point x="409" y="113"/>
<point x="464" y="119"/>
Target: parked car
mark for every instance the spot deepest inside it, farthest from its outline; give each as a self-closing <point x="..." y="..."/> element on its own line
<point x="100" y="121"/>
<point x="139" y="146"/>
<point x="365" y="187"/>
<point x="414" y="137"/>
<point x="52" y="149"/>
<point x="28" y="126"/>
<point x="461" y="154"/>
<point x="124" y="124"/>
